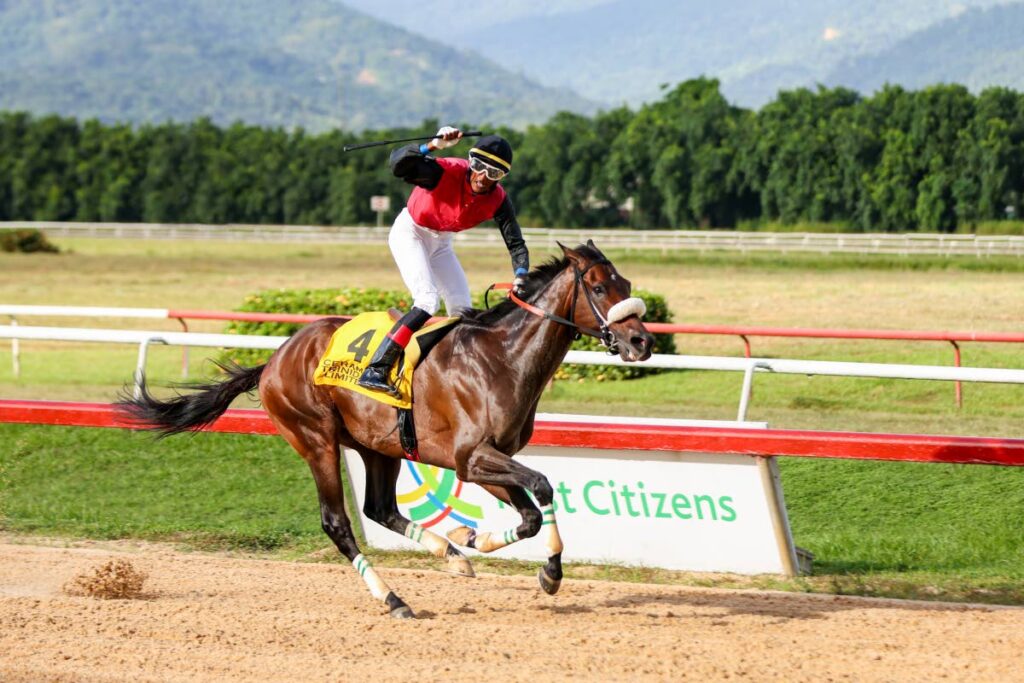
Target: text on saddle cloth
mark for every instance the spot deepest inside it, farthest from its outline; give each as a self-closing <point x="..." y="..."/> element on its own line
<point x="353" y="344"/>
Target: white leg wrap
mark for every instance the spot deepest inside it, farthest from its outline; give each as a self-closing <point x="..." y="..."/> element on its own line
<point x="428" y="539"/>
<point x="554" y="541"/>
<point x="377" y="587"/>
<point x="487" y="541"/>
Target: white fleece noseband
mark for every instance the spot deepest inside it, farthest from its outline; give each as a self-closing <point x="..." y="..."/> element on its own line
<point x="625" y="308"/>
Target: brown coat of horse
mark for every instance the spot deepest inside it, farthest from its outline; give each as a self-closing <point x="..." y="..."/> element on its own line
<point x="476" y="398"/>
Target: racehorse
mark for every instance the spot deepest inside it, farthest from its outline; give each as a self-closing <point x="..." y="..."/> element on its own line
<point x="476" y="396"/>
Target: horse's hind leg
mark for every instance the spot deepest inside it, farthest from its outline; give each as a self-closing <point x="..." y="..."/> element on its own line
<point x="319" y="448"/>
<point x="382" y="507"/>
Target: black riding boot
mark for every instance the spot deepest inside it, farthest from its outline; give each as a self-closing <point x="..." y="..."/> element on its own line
<point x="376" y="377"/>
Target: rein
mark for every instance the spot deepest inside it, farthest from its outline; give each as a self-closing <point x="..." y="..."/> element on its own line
<point x="604" y="334"/>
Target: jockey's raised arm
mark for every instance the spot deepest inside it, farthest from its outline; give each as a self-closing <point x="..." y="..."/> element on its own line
<point x="450" y="195"/>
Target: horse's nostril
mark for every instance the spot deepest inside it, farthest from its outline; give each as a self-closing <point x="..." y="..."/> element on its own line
<point x="639" y="342"/>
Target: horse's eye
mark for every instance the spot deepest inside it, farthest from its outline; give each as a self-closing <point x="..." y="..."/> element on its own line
<point x="599" y="290"/>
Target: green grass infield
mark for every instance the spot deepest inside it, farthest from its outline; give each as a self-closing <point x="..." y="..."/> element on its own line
<point x="882" y="529"/>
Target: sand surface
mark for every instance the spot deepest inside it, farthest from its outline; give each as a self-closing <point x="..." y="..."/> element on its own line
<point x="216" y="618"/>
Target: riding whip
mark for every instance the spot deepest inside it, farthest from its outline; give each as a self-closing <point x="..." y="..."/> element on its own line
<point x="364" y="145"/>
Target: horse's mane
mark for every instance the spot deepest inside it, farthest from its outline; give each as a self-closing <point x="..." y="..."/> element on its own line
<point x="536" y="280"/>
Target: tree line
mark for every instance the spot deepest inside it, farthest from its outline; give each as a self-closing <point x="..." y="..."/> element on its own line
<point x="933" y="160"/>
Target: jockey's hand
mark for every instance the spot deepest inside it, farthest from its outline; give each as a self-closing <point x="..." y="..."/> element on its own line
<point x="517" y="286"/>
<point x="447" y="136"/>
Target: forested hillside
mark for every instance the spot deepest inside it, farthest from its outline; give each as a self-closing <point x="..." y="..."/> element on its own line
<point x="321" y="64"/>
<point x="976" y="48"/>
<point x="936" y="159"/>
<point x="316" y="64"/>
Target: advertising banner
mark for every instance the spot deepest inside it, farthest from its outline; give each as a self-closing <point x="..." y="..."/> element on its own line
<point x="689" y="511"/>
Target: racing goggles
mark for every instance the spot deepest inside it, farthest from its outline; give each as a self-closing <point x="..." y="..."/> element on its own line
<point x="477" y="165"/>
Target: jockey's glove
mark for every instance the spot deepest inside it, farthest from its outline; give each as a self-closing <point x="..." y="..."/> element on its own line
<point x="517" y="285"/>
<point x="447" y="136"/>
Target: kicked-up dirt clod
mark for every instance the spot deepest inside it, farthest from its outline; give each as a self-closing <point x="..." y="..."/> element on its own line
<point x="117" y="579"/>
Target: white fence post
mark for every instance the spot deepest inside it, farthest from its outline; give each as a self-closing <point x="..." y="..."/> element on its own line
<point x="748" y="387"/>
<point x="140" y="366"/>
<point x="15" y="351"/>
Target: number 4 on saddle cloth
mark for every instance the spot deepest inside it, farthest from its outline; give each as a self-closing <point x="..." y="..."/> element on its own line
<point x="350" y="350"/>
<point x="352" y="347"/>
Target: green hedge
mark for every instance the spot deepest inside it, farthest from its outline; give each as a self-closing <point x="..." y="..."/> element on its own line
<point x="354" y="300"/>
<point x="345" y="301"/>
<point x="26" y="240"/>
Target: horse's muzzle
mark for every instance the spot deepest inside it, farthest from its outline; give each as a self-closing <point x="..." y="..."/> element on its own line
<point x="633" y="343"/>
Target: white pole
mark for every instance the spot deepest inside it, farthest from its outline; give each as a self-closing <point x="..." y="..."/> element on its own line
<point x="15" y="350"/>
<point x="748" y="388"/>
<point x="140" y="366"/>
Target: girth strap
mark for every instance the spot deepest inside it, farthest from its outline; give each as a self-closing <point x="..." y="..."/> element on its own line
<point x="407" y="434"/>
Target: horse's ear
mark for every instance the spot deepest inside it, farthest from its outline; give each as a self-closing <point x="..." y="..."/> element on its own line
<point x="575" y="257"/>
<point x="598" y="252"/>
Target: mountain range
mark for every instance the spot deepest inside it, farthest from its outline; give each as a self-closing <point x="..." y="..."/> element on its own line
<point x="623" y="51"/>
<point x="977" y="49"/>
<point x="357" y="64"/>
<point x="315" y="63"/>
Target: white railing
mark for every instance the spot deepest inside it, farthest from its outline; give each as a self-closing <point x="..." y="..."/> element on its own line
<point x="748" y="366"/>
<point x="904" y="244"/>
<point x="13" y="310"/>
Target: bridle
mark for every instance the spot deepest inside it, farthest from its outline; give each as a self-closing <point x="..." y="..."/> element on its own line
<point x="620" y="311"/>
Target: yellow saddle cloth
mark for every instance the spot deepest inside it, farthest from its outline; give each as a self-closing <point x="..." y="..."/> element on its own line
<point x="353" y="345"/>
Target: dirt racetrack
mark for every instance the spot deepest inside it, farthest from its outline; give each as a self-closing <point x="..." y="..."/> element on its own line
<point x="213" y="618"/>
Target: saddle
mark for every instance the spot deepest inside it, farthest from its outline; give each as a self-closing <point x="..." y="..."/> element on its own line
<point x="352" y="346"/>
<point x="350" y="350"/>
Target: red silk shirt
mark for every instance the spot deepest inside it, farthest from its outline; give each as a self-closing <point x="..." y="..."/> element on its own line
<point x="451" y="206"/>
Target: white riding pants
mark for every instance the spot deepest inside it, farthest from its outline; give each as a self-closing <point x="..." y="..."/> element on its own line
<point x="428" y="266"/>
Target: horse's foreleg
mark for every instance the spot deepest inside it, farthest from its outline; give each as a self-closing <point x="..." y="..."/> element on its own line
<point x="489" y="541"/>
<point x="550" y="575"/>
<point x="490" y="467"/>
<point x="382" y="507"/>
<point x="440" y="547"/>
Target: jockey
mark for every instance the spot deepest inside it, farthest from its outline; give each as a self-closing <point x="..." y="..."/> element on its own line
<point x="451" y="195"/>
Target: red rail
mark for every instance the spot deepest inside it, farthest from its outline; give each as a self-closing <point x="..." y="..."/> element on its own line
<point x="760" y="442"/>
<point x="184" y="313"/>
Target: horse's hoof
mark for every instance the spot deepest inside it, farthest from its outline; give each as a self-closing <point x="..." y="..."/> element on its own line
<point x="462" y="535"/>
<point x="549" y="585"/>
<point x="459" y="564"/>
<point x="402" y="612"/>
<point x="399" y="610"/>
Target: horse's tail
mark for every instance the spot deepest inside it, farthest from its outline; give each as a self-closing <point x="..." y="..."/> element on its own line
<point x="192" y="411"/>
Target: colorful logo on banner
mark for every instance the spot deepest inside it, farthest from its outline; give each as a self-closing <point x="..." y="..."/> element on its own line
<point x="436" y="498"/>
